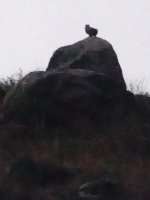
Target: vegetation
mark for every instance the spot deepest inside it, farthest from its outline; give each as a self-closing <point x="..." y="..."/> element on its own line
<point x="7" y="83"/>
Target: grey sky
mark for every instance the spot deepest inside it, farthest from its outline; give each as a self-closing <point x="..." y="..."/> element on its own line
<point x="31" y="30"/>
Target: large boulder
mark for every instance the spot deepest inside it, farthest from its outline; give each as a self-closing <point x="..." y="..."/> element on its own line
<point x="92" y="53"/>
<point x="66" y="98"/>
<point x="82" y="84"/>
<point x="17" y="97"/>
<point x="22" y="86"/>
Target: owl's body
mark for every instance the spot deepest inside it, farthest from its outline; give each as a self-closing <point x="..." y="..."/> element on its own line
<point x="92" y="32"/>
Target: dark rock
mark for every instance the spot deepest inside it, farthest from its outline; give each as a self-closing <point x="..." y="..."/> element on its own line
<point x="65" y="97"/>
<point x="83" y="85"/>
<point x="2" y="95"/>
<point x="92" y="53"/>
<point x="2" y="92"/>
<point x="18" y="96"/>
<point x="13" y="140"/>
<point x="104" y="188"/>
<point x="143" y="106"/>
<point x="22" y="86"/>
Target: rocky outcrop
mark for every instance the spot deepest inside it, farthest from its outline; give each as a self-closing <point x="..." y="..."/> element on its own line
<point x="66" y="97"/>
<point x="72" y="126"/>
<point x="20" y="88"/>
<point x="105" y="188"/>
<point x="83" y="82"/>
<point x="92" y="53"/>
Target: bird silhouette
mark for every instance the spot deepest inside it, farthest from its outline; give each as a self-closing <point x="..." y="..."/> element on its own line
<point x="92" y="32"/>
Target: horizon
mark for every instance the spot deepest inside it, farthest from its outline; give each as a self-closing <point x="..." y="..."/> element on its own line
<point x="32" y="30"/>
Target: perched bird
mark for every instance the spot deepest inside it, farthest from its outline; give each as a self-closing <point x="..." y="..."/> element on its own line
<point x="92" y="32"/>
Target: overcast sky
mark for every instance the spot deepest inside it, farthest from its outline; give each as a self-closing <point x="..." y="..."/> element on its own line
<point x="31" y="30"/>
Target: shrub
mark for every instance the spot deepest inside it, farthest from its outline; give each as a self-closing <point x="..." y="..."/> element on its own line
<point x="7" y="83"/>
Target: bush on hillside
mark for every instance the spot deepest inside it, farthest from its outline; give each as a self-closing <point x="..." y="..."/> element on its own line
<point x="7" y="83"/>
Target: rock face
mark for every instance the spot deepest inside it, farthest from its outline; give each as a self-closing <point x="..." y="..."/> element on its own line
<point x="66" y="98"/>
<point x="92" y="53"/>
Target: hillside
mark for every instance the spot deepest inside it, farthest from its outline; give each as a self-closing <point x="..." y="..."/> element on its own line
<point x="74" y="131"/>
